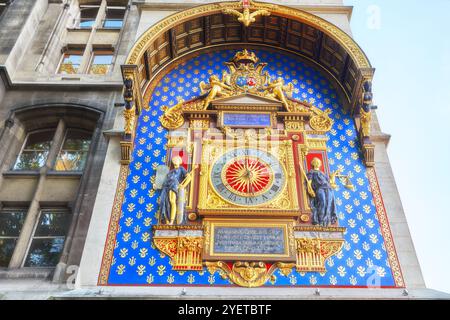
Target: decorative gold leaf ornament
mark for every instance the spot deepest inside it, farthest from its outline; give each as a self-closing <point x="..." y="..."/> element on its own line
<point x="246" y="17"/>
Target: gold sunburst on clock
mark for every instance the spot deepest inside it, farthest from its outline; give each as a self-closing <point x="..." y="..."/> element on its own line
<point x="247" y="180"/>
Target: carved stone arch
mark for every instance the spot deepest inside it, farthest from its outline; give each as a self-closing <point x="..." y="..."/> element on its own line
<point x="28" y="118"/>
<point x="83" y="116"/>
<point x="286" y="28"/>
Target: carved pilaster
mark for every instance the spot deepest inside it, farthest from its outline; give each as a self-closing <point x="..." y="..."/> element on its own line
<point x="125" y="152"/>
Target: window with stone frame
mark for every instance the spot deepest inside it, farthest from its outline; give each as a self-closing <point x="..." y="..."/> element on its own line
<point x="47" y="242"/>
<point x="71" y="61"/>
<point x="74" y="151"/>
<point x="11" y="222"/>
<point x="101" y="61"/>
<point x="3" y="5"/>
<point x="114" y="17"/>
<point x="88" y="15"/>
<point x="52" y="153"/>
<point x="72" y="155"/>
<point x="35" y="150"/>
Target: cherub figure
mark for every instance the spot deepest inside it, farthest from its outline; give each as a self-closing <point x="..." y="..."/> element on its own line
<point x="277" y="90"/>
<point x="216" y="88"/>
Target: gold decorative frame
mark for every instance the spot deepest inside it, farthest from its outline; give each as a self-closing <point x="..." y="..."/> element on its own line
<point x="113" y="226"/>
<point x="210" y="203"/>
<point x="249" y="274"/>
<point x="220" y="119"/>
<point x="385" y="229"/>
<point x="316" y="144"/>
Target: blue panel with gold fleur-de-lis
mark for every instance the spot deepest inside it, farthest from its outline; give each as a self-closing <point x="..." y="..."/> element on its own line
<point x="363" y="260"/>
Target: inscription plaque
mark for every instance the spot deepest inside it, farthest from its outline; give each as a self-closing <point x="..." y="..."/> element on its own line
<point x="247" y="120"/>
<point x="249" y="240"/>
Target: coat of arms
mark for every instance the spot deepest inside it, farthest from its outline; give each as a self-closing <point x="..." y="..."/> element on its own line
<point x="245" y="75"/>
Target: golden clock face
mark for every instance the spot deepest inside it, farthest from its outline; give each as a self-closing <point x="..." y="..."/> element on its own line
<point x="247" y="176"/>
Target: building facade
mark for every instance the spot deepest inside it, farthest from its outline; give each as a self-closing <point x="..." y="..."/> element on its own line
<point x="167" y="149"/>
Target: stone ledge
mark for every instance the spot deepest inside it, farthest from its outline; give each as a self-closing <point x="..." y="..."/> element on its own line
<point x="26" y="273"/>
<point x="182" y="293"/>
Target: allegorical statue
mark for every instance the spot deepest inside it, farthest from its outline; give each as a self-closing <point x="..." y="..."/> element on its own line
<point x="172" y="197"/>
<point x="320" y="191"/>
<point x="215" y="88"/>
<point x="277" y="90"/>
<point x="365" y="110"/>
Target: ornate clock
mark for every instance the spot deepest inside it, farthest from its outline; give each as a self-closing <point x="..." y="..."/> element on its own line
<point x="247" y="180"/>
<point x="247" y="177"/>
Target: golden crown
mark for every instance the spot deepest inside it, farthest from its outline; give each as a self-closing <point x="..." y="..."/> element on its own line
<point x="245" y="57"/>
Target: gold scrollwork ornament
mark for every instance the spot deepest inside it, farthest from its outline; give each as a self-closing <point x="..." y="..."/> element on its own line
<point x="249" y="274"/>
<point x="129" y="115"/>
<point x="366" y="117"/>
<point x="321" y="122"/>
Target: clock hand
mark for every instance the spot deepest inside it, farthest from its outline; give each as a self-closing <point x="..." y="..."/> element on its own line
<point x="251" y="188"/>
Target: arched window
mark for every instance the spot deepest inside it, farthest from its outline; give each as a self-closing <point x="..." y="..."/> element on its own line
<point x="42" y="175"/>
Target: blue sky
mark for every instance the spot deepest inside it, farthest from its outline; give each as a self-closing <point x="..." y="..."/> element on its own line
<point x="408" y="42"/>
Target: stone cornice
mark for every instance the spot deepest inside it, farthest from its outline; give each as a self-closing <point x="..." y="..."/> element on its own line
<point x="316" y="9"/>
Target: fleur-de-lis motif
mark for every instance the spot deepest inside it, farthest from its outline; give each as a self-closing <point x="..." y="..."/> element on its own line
<point x="161" y="269"/>
<point x="123" y="252"/>
<point x="143" y="252"/>
<point x="170" y="278"/>
<point x="191" y="278"/>
<point x="120" y="269"/>
<point x="150" y="278"/>
<point x="140" y="270"/>
<point x="145" y="236"/>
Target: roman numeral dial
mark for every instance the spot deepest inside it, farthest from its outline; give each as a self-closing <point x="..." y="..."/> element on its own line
<point x="248" y="177"/>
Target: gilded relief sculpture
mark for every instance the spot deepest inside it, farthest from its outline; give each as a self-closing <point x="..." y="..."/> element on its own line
<point x="320" y="190"/>
<point x="246" y="76"/>
<point x="173" y="117"/>
<point x="365" y="110"/>
<point x="172" y="197"/>
<point x="215" y="88"/>
<point x="245" y="17"/>
<point x="276" y="89"/>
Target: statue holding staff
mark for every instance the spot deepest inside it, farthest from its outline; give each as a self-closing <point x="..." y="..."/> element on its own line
<point x="321" y="195"/>
<point x="172" y="197"/>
